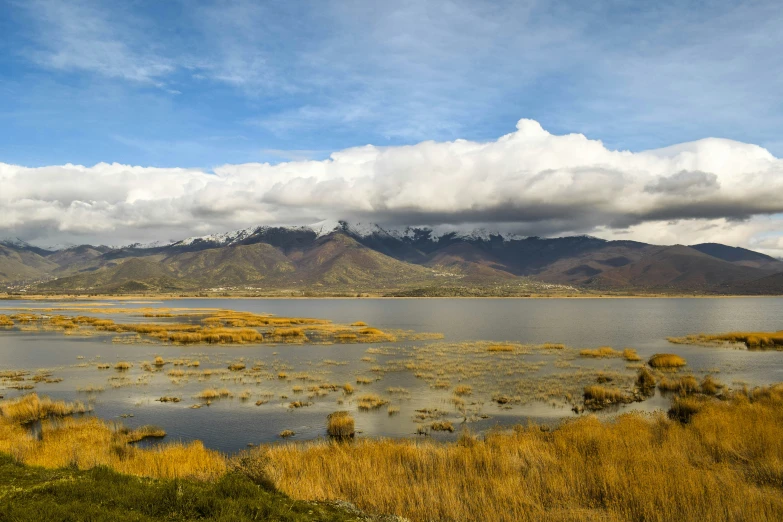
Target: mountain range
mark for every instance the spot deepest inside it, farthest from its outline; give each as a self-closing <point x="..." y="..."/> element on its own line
<point x="345" y="258"/>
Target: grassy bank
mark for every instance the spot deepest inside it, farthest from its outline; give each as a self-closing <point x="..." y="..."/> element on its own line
<point x="30" y="493"/>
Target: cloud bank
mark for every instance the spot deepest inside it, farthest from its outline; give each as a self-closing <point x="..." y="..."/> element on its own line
<point x="529" y="182"/>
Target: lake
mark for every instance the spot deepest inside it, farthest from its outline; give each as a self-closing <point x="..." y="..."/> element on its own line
<point x="417" y="377"/>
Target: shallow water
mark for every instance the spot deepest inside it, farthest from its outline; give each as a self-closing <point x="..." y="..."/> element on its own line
<point x="230" y="424"/>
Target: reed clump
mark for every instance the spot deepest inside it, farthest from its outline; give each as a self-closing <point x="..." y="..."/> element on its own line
<point x="340" y="425"/>
<point x="601" y="352"/>
<point x="500" y="348"/>
<point x="752" y="340"/>
<point x="123" y="366"/>
<point x="463" y="389"/>
<point x="370" y="401"/>
<point x="630" y="355"/>
<point x="666" y="361"/>
<point x="209" y="394"/>
<point x="684" y="385"/>
<point x="6" y="322"/>
<point x="442" y="426"/>
<point x="87" y="442"/>
<point x="31" y="407"/>
<point x="597" y="397"/>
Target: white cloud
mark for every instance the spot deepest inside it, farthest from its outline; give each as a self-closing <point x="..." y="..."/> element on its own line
<point x="529" y="181"/>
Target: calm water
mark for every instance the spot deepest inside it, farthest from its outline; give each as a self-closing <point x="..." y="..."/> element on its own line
<point x="231" y="424"/>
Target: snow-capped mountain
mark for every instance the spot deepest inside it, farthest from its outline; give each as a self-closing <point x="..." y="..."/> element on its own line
<point x="359" y="230"/>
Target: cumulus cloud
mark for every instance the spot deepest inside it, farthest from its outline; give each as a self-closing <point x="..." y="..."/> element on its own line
<point x="528" y="181"/>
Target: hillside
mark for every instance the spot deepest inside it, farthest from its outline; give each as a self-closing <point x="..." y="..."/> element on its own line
<point x="340" y="258"/>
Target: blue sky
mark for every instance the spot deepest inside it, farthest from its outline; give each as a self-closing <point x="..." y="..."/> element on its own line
<point x="201" y="84"/>
<point x="217" y="115"/>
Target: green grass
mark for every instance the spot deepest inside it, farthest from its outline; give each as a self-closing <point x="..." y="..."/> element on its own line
<point x="97" y="495"/>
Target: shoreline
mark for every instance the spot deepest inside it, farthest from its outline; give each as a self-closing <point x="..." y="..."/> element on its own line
<point x="159" y="297"/>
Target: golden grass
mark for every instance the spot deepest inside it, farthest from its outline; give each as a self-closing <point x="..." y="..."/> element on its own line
<point x="710" y="386"/>
<point x="597" y="397"/>
<point x="442" y="426"/>
<point x="359" y="323"/>
<point x="31" y="407"/>
<point x="209" y="394"/>
<point x="348" y="388"/>
<point x="752" y="340"/>
<point x="88" y="442"/>
<point x="603" y="351"/>
<point x="645" y="380"/>
<point x="287" y="433"/>
<point x="370" y="401"/>
<point x="144" y="432"/>
<point x="630" y="355"/>
<point x="553" y="346"/>
<point x="684" y="385"/>
<point x="235" y="367"/>
<point x="5" y="321"/>
<point x="725" y="464"/>
<point x="340" y="425"/>
<point x="666" y="360"/>
<point x="500" y="348"/>
<point x="123" y="366"/>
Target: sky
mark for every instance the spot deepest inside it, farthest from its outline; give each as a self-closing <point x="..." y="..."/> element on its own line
<point x="156" y="120"/>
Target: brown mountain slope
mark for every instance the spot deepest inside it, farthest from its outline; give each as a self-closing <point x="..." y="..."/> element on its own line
<point x="233" y="265"/>
<point x="468" y="260"/>
<point x="769" y="285"/>
<point x="586" y="266"/>
<point x="677" y="267"/>
<point x="134" y="274"/>
<point x="740" y="256"/>
<point x="337" y="259"/>
<point x="21" y="264"/>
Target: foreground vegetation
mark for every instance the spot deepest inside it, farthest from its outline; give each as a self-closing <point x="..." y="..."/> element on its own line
<point x="726" y="463"/>
<point x="100" y="494"/>
<point x="713" y="457"/>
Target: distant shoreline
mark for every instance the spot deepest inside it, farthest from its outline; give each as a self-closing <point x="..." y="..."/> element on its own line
<point x="158" y="297"/>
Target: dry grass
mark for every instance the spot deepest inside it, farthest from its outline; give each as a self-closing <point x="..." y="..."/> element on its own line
<point x="238" y="366"/>
<point x="123" y="366"/>
<point x="645" y="380"/>
<point x="603" y="351"/>
<point x="725" y="464"/>
<point x="370" y="401"/>
<point x="684" y="385"/>
<point x="666" y="360"/>
<point x="287" y="433"/>
<point x="553" y="346"/>
<point x="597" y="397"/>
<point x="31" y="407"/>
<point x="500" y="348"/>
<point x="463" y="389"/>
<point x="630" y="355"/>
<point x="340" y="425"/>
<point x="6" y="322"/>
<point x="211" y="394"/>
<point x="87" y="442"/>
<point x="442" y="426"/>
<point x="752" y="340"/>
<point x="348" y="388"/>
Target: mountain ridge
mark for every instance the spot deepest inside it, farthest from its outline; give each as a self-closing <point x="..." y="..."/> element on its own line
<point x="360" y="258"/>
